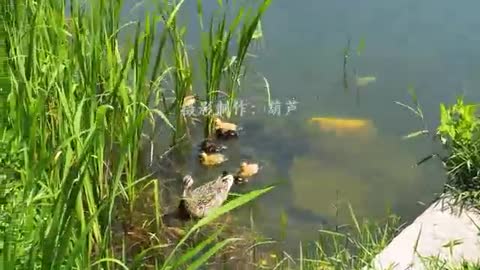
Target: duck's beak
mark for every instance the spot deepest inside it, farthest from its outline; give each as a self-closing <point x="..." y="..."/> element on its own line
<point x="238" y="180"/>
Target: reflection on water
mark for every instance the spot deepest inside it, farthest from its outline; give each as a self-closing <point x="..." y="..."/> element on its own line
<point x="369" y="174"/>
<point x="406" y="43"/>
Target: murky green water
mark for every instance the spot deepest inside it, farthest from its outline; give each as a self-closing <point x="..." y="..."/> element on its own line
<point x="430" y="45"/>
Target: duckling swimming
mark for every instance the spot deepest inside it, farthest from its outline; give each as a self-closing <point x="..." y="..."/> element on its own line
<point x="229" y="134"/>
<point x="219" y="124"/>
<point x="189" y="100"/>
<point x="246" y="171"/>
<point x="212" y="159"/>
<point x="188" y="109"/>
<point x="209" y="147"/>
<point x="204" y="199"/>
<point x="225" y="130"/>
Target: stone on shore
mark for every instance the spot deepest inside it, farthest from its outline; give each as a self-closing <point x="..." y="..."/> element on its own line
<point x="443" y="230"/>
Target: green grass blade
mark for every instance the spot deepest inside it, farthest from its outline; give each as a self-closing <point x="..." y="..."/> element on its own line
<point x="194" y="251"/>
<point x="200" y="261"/>
<point x="237" y="202"/>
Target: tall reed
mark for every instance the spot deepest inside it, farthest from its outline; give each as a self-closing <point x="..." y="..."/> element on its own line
<point x="77" y="107"/>
<point x="223" y="58"/>
<point x="224" y="45"/>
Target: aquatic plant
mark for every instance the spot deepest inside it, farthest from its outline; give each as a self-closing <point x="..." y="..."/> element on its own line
<point x="342" y="247"/>
<point x="459" y="133"/>
<point x="224" y="45"/>
<point x="222" y="69"/>
<point x="78" y="104"/>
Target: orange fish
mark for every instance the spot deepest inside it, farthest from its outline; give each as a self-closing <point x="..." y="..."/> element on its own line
<point x="343" y="126"/>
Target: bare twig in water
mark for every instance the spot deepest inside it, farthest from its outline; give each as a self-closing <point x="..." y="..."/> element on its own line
<point x="346" y="55"/>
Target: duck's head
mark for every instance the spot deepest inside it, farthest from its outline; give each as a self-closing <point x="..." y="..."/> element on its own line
<point x="206" y="142"/>
<point x="195" y="96"/>
<point x="187" y="181"/>
<point x="217" y="121"/>
<point x="227" y="180"/>
<point x="202" y="155"/>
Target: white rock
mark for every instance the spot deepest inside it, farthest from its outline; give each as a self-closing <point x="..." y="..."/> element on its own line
<point x="435" y="228"/>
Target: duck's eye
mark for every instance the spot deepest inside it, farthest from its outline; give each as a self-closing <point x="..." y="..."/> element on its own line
<point x="225" y="180"/>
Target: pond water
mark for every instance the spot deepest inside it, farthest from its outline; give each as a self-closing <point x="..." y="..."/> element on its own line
<point x="431" y="45"/>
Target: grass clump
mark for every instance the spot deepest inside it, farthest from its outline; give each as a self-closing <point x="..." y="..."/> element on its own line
<point x="459" y="135"/>
<point x="434" y="263"/>
<point x="76" y="111"/>
<point x="459" y="132"/>
<point x="351" y="246"/>
<point x="224" y="45"/>
<point x="223" y="60"/>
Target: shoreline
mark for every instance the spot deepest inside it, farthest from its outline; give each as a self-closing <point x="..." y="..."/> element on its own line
<point x="444" y="230"/>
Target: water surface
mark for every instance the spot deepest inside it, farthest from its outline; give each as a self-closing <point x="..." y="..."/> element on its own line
<point x="429" y="45"/>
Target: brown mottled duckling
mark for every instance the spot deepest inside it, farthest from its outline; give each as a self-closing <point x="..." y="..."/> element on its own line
<point x="246" y="171"/>
<point x="212" y="159"/>
<point x="209" y="147"/>
<point x="225" y="135"/>
<point x="200" y="201"/>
